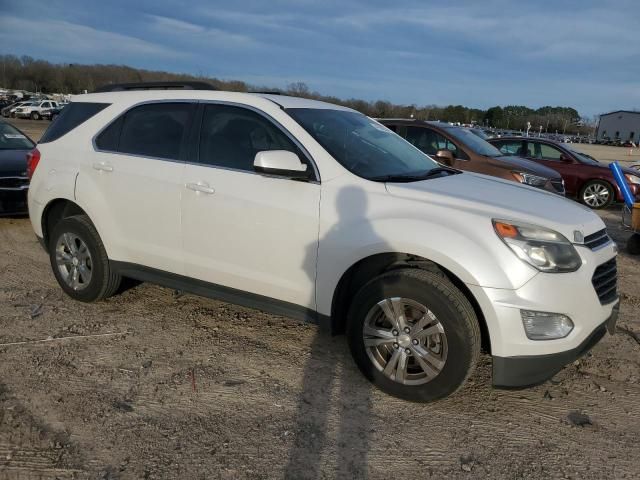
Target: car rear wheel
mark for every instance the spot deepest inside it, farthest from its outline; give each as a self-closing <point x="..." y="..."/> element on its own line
<point x="597" y="194"/>
<point x="413" y="334"/>
<point x="35" y="116"/>
<point x="79" y="260"/>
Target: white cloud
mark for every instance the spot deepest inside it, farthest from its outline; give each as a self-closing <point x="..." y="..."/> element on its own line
<point x="187" y="31"/>
<point x="74" y="40"/>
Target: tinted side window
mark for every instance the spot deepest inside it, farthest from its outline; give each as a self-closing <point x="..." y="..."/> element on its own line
<point x="393" y="128"/>
<point x="231" y="136"/>
<point x="510" y="147"/>
<point x="110" y="136"/>
<point x="430" y="141"/>
<point x="543" y="151"/>
<point x="156" y="129"/>
<point x="70" y="117"/>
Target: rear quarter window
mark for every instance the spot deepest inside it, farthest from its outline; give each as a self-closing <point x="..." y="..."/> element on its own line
<point x="70" y="117"/>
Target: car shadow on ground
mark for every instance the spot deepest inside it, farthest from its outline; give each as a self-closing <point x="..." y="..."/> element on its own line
<point x="330" y="380"/>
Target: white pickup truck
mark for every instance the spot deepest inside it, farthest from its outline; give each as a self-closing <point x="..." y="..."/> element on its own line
<point x="35" y="110"/>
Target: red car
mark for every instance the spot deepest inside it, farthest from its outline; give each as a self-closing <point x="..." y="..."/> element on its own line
<point x="586" y="179"/>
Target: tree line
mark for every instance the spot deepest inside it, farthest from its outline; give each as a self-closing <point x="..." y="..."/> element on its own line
<point x="34" y="75"/>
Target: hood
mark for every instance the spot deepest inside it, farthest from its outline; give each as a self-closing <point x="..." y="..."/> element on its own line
<point x="491" y="197"/>
<point x="526" y="166"/>
<point x="13" y="163"/>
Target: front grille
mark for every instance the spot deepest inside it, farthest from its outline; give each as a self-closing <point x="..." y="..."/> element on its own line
<point x="558" y="185"/>
<point x="597" y="239"/>
<point x="14" y="183"/>
<point x="605" y="282"/>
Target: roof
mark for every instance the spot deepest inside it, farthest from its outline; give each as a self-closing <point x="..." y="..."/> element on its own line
<point x="619" y="111"/>
<point x="283" y="101"/>
<point x="415" y="121"/>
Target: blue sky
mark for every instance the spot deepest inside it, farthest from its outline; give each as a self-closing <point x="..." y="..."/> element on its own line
<point x="583" y="54"/>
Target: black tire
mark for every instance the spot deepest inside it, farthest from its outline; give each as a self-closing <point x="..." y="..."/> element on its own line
<point x="104" y="281"/>
<point x="633" y="244"/>
<point x="596" y="184"/>
<point x="35" y="116"/>
<point x="453" y="311"/>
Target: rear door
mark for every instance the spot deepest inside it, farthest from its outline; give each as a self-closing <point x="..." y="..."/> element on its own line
<point x="251" y="232"/>
<point x="132" y="184"/>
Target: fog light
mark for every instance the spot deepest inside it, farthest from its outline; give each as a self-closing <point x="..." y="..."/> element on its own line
<point x="545" y="325"/>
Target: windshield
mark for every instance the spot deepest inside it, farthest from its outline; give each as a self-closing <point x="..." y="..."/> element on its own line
<point x="362" y="145"/>
<point x="472" y="141"/>
<point x="583" y="157"/>
<point x="12" y="139"/>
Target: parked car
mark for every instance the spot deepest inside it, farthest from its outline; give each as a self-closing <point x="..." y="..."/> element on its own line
<point x="14" y="183"/>
<point x="10" y="110"/>
<point x="316" y="211"/>
<point x="460" y="148"/>
<point x="52" y="113"/>
<point x="585" y="179"/>
<point x="35" y="110"/>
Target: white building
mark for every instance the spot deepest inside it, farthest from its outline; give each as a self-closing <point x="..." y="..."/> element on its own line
<point x="621" y="125"/>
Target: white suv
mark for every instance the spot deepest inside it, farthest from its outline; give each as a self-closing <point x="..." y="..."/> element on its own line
<point x="35" y="110"/>
<point x="315" y="211"/>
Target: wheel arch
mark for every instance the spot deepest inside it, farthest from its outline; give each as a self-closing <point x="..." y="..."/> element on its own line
<point x="55" y="211"/>
<point x="359" y="273"/>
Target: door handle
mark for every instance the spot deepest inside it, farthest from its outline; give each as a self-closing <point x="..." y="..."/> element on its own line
<point x="200" y="187"/>
<point x="102" y="167"/>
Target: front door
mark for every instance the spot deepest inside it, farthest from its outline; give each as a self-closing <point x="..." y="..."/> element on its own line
<point x="251" y="232"/>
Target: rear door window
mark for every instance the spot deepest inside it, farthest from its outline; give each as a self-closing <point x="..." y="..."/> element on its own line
<point x="156" y="130"/>
<point x="70" y="117"/>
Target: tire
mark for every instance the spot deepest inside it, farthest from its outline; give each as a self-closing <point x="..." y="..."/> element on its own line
<point x="597" y="194"/>
<point x="35" y="116"/>
<point x="95" y="278"/>
<point x="633" y="244"/>
<point x="451" y="352"/>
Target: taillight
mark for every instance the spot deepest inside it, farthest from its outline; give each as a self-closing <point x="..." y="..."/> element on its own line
<point x="33" y="157"/>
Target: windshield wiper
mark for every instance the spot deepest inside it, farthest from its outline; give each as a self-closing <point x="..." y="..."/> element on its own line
<point x="400" y="178"/>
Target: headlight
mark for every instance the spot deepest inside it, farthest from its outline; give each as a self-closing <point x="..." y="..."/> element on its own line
<point x="530" y="179"/>
<point x="632" y="178"/>
<point x="544" y="249"/>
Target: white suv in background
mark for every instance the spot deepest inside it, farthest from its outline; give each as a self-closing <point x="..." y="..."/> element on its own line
<point x="35" y="110"/>
<point x="315" y="211"/>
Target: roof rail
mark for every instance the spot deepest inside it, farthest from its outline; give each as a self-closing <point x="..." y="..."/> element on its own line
<point x="267" y="92"/>
<point x="121" y="87"/>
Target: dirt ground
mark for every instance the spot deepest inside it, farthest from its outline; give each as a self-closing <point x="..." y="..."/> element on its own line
<point x="156" y="384"/>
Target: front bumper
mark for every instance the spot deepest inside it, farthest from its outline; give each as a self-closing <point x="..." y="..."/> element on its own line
<point x="522" y="371"/>
<point x="572" y="294"/>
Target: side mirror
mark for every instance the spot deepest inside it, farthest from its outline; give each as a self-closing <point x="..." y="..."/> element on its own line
<point x="564" y="158"/>
<point x="280" y="162"/>
<point x="445" y="156"/>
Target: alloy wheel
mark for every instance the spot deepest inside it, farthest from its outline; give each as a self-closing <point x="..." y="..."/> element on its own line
<point x="405" y="341"/>
<point x="596" y="195"/>
<point x="74" y="261"/>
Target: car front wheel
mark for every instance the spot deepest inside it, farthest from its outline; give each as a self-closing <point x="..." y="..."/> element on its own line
<point x="79" y="260"/>
<point x="597" y="194"/>
<point x="413" y="334"/>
